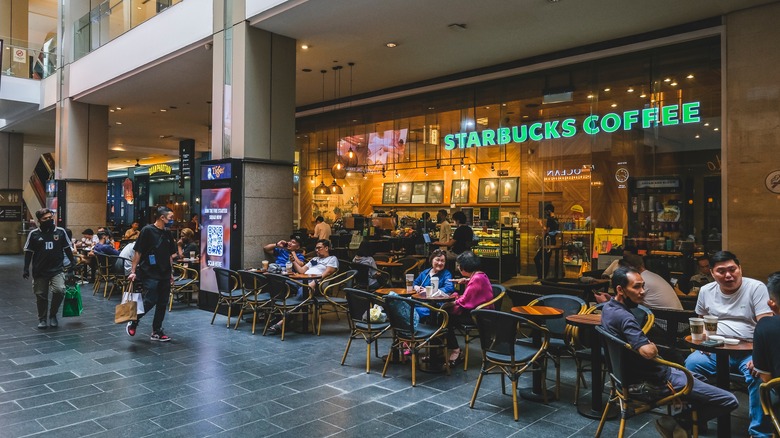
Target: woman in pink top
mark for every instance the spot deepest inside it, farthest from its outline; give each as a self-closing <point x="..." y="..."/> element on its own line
<point x="478" y="291"/>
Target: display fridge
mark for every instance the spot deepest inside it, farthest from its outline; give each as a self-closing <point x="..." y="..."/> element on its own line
<point x="221" y="193"/>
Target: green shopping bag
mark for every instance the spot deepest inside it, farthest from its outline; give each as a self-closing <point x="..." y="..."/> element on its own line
<point x="71" y="306"/>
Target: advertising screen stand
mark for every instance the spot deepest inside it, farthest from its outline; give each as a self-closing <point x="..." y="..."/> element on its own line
<point x="220" y="217"/>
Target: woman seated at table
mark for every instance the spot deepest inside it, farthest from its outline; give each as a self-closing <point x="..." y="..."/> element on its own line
<point x="364" y="257"/>
<point x="187" y="244"/>
<point x="437" y="260"/>
<point x="478" y="291"/>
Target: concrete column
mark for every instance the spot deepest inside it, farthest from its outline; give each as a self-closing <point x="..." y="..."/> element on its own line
<point x="13" y="24"/>
<point x="81" y="157"/>
<point x="751" y="118"/>
<point x="254" y="119"/>
<point x="11" y="159"/>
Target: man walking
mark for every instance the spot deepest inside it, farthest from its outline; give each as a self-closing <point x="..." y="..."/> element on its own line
<point x="44" y="248"/>
<point x="152" y="266"/>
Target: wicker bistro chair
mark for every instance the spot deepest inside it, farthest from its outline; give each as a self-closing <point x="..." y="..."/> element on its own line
<point x="363" y="276"/>
<point x="620" y="359"/>
<point x="579" y="340"/>
<point x="330" y="299"/>
<point x="229" y="289"/>
<point x="104" y="276"/>
<point x="470" y="331"/>
<point x="401" y="314"/>
<point x="770" y="409"/>
<point x="185" y="283"/>
<point x="284" y="294"/>
<point x="409" y="265"/>
<point x="255" y="299"/>
<point x="502" y="355"/>
<point x="668" y="332"/>
<point x="359" y="303"/>
<point x="559" y="331"/>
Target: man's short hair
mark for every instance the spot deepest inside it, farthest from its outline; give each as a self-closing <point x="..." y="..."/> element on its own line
<point x="324" y="242"/>
<point x="296" y="238"/>
<point x="163" y="211"/>
<point x="320" y="219"/>
<point x="88" y="232"/>
<point x="636" y="261"/>
<point x="702" y="257"/>
<point x="620" y="277"/>
<point x="443" y="212"/>
<point x="101" y="234"/>
<point x="459" y="217"/>
<point x="723" y="256"/>
<point x="42" y="212"/>
<point x="773" y="285"/>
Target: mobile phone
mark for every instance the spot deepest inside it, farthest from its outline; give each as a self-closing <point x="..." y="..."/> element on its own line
<point x="712" y="343"/>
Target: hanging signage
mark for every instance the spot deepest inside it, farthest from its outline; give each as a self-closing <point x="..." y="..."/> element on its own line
<point x="215" y="172"/>
<point x="580" y="173"/>
<point x="667" y="115"/>
<point x="20" y="55"/>
<point x="160" y="168"/>
<point x="186" y="160"/>
<point x="772" y="181"/>
<point x="658" y="183"/>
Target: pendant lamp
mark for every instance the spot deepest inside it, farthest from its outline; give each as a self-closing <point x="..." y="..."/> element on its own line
<point x="352" y="160"/>
<point x="336" y="189"/>
<point x="321" y="189"/>
<point x="338" y="171"/>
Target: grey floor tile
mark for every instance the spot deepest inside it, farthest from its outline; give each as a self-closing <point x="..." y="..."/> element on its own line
<point x="428" y="429"/>
<point x="371" y="428"/>
<point x="357" y="415"/>
<point x="312" y="429"/>
<point x="294" y="417"/>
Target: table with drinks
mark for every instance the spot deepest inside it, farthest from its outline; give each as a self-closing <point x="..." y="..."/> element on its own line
<point x="704" y="338"/>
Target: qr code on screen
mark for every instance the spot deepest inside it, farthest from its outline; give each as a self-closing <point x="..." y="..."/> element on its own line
<point x="215" y="243"/>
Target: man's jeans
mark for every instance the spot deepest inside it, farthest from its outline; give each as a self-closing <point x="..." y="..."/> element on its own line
<point x="156" y="294"/>
<point x="705" y="365"/>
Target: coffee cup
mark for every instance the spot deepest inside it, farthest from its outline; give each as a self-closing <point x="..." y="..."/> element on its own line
<point x="428" y="291"/>
<point x="265" y="265"/>
<point x="710" y="325"/>
<point x="409" y="282"/>
<point x="192" y="255"/>
<point x="697" y="328"/>
<point x="434" y="284"/>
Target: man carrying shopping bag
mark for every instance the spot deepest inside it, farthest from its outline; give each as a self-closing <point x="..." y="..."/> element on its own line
<point x="152" y="267"/>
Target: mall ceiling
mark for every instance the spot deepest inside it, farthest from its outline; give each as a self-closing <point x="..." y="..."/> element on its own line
<point x="434" y="38"/>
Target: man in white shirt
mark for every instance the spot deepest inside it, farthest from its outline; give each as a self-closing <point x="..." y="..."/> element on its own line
<point x="738" y="303"/>
<point x="322" y="230"/>
<point x="659" y="294"/>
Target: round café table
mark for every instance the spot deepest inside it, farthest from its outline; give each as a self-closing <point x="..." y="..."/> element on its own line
<point x="589" y="321"/>
<point x="536" y="314"/>
<point x="398" y="290"/>
<point x="722" y="373"/>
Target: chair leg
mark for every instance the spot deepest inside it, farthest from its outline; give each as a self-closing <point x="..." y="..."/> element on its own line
<point x="476" y="389"/>
<point x="622" y="429"/>
<point x="230" y="311"/>
<point x="238" y="320"/>
<point x="284" y="324"/>
<point x="387" y="359"/>
<point x="215" y="313"/>
<point x="557" y="378"/>
<point x="414" y="366"/>
<point x="514" y="398"/>
<point x="254" y="320"/>
<point x="466" y="352"/>
<point x="170" y="302"/>
<point x="603" y="419"/>
<point x="368" y="357"/>
<point x="346" y="350"/>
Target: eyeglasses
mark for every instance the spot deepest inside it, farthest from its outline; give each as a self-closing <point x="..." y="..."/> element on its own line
<point x="319" y="247"/>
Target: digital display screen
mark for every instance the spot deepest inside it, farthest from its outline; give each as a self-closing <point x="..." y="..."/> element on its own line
<point x="214" y="172"/>
<point x="215" y="235"/>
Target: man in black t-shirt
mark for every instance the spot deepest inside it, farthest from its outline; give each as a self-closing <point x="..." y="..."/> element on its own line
<point x="766" y="355"/>
<point x="616" y="317"/>
<point x="152" y="266"/>
<point x="44" y="248"/>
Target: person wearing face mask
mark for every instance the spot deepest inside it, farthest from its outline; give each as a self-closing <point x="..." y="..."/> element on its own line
<point x="44" y="248"/>
<point x="154" y="249"/>
<point x="616" y="317"/>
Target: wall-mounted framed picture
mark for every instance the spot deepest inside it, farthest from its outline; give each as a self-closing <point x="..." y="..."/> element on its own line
<point x="389" y="193"/>
<point x="507" y="189"/>
<point x="419" y="192"/>
<point x="404" y="193"/>
<point x="435" y="192"/>
<point x="460" y="191"/>
<point x="488" y="190"/>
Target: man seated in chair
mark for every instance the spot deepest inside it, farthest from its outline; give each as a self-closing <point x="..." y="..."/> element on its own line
<point x="766" y="356"/>
<point x="616" y="317"/>
<point x="103" y="246"/>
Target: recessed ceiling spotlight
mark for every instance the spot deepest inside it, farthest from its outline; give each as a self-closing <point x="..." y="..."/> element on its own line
<point x="305" y="46"/>
<point x="716" y="129"/>
<point x="590" y="96"/>
<point x="630" y="90"/>
<point x="613" y="105"/>
<point x="525" y="116"/>
<point x="668" y="80"/>
<point x="306" y="70"/>
<point x="697" y="136"/>
<point x="607" y="89"/>
<point x="503" y="104"/>
<point x="163" y="110"/>
<point x="643" y="95"/>
<point x="118" y="123"/>
<point x="119" y="108"/>
<point x="111" y="110"/>
<point x="391" y="45"/>
<point x="707" y="124"/>
<point x="690" y="76"/>
<point x="673" y="84"/>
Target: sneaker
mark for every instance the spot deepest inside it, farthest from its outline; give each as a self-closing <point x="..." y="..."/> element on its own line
<point x="130" y="328"/>
<point x="42" y="324"/>
<point x="669" y="428"/>
<point x="160" y="336"/>
<point x="52" y="321"/>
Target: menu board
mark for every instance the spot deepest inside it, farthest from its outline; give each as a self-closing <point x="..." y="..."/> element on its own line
<point x="460" y="191"/>
<point x="389" y="192"/>
<point x="419" y="192"/>
<point x="488" y="190"/>
<point x="404" y="193"/>
<point x="507" y="189"/>
<point x="435" y="192"/>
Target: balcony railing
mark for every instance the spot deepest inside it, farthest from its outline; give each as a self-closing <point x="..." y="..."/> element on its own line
<point x="21" y="60"/>
<point x="111" y="19"/>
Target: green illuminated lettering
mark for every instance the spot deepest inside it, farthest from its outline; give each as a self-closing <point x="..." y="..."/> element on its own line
<point x="503" y="136"/>
<point x="473" y="139"/>
<point x="649" y="116"/>
<point x="690" y="112"/>
<point x="589" y="125"/>
<point x="630" y="118"/>
<point x="519" y="133"/>
<point x="488" y="137"/>
<point x="461" y="139"/>
<point x="551" y="130"/>
<point x="534" y="133"/>
<point x="569" y="127"/>
<point x="449" y="143"/>
<point x="610" y="122"/>
<point x="669" y="115"/>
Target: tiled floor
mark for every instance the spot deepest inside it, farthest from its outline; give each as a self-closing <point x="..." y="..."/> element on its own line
<point x="88" y="378"/>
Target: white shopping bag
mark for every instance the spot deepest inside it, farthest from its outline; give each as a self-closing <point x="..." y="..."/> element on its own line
<point x="137" y="297"/>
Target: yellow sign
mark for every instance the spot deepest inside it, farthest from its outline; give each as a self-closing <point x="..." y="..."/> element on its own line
<point x="160" y="168"/>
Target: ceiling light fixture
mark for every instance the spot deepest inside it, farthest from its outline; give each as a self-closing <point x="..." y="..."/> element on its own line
<point x="305" y="46"/>
<point x="630" y="90"/>
<point x="336" y="189"/>
<point x="321" y="189"/>
<point x="690" y="76"/>
<point x="391" y="45"/>
<point x="425" y="171"/>
<point x="492" y="167"/>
